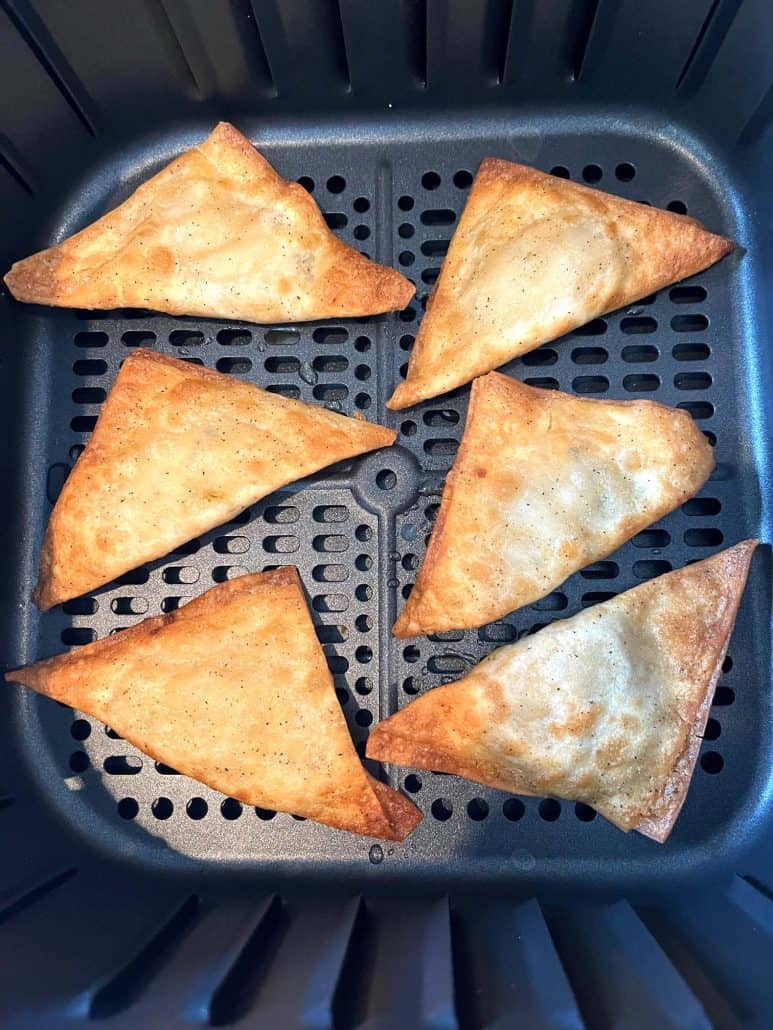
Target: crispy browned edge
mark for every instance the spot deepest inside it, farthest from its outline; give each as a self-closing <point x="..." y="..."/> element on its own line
<point x="495" y="382"/>
<point x="398" y="750"/>
<point x="388" y="289"/>
<point x="495" y="169"/>
<point x="387" y="746"/>
<point x="666" y="810"/>
<point x="216" y="597"/>
<point x="42" y="595"/>
<point x="435" y="548"/>
<point x="400" y="814"/>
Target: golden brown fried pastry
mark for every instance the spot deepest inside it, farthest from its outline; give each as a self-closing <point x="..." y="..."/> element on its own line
<point x="233" y="690"/>
<point x="178" y="450"/>
<point x="217" y="232"/>
<point x="544" y="484"/>
<point x="607" y="707"/>
<point x="533" y="257"/>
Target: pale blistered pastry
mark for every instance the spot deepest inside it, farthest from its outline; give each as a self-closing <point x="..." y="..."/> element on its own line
<point x="234" y="691"/>
<point x="607" y="707"/>
<point x="545" y="483"/>
<point x="533" y="257"/>
<point x="179" y="449"/>
<point x="217" y="233"/>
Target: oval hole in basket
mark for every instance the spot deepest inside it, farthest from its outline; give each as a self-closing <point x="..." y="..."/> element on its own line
<point x="640" y="353"/>
<point x="330" y="513"/>
<point x="542" y="357"/>
<point x="178" y="574"/>
<point x="641" y="383"/>
<point x="76" y="636"/>
<point x="435" y="248"/>
<point x="652" y="538"/>
<point x="89" y="367"/>
<point x="638" y="324"/>
<point x="83" y="423"/>
<point x="447" y="664"/>
<point x="336" y="219"/>
<point x="55" y="480"/>
<point x="330" y="334"/>
<point x="330" y="603"/>
<point x="285" y="390"/>
<point x="138" y="338"/>
<point x="595" y="328"/>
<point x="330" y="543"/>
<point x="281" y="544"/>
<point x="90" y="339"/>
<point x="234" y="366"/>
<point x="691" y="352"/>
<point x="330" y="363"/>
<point x="89" y="395"/>
<point x="692" y="381"/>
<point x="440" y="448"/>
<point x="224" y="573"/>
<point x="328" y="392"/>
<point x="332" y="634"/>
<point x="129" y="606"/>
<point x="282" y="364"/>
<point x="687" y="294"/>
<point x="186" y="338"/>
<point x="601" y="570"/>
<point x="589" y="355"/>
<point x="554" y="602"/>
<point x="590" y="384"/>
<point x="122" y="765"/>
<point x="132" y="578"/>
<point x="281" y="514"/>
<point x="438" y="216"/>
<point x="329" y="573"/>
<point x="80" y="606"/>
<point x="702" y="506"/>
<point x="705" y="537"/>
<point x="281" y="337"/>
<point x="689" y="323"/>
<point x="698" y="409"/>
<point x="234" y="337"/>
<point x="231" y="545"/>
<point x="497" y="633"/>
<point x="337" y="664"/>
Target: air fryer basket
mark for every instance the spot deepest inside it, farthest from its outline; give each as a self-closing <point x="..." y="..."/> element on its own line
<point x="131" y="892"/>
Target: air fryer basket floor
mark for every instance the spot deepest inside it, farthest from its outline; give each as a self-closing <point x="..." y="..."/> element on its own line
<point x="358" y="533"/>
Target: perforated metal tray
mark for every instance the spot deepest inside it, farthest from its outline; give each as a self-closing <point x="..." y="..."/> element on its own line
<point x="357" y="532"/>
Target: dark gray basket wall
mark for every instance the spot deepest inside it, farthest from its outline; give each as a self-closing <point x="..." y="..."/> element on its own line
<point x="129" y="891"/>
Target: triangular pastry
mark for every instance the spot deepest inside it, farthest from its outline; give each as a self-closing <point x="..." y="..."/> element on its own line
<point x="544" y="484"/>
<point x="533" y="257"/>
<point x="217" y="233"/>
<point x="607" y="707"/>
<point x="179" y="449"/>
<point x="233" y="690"/>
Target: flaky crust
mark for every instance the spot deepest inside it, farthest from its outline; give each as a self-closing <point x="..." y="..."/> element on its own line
<point x="532" y="258"/>
<point x="543" y="484"/>
<point x="179" y="449"/>
<point x="233" y="690"/>
<point x="217" y="233"/>
<point x="607" y="707"/>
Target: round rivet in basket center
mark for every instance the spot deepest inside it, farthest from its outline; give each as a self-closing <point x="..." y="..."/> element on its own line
<point x="388" y="480"/>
